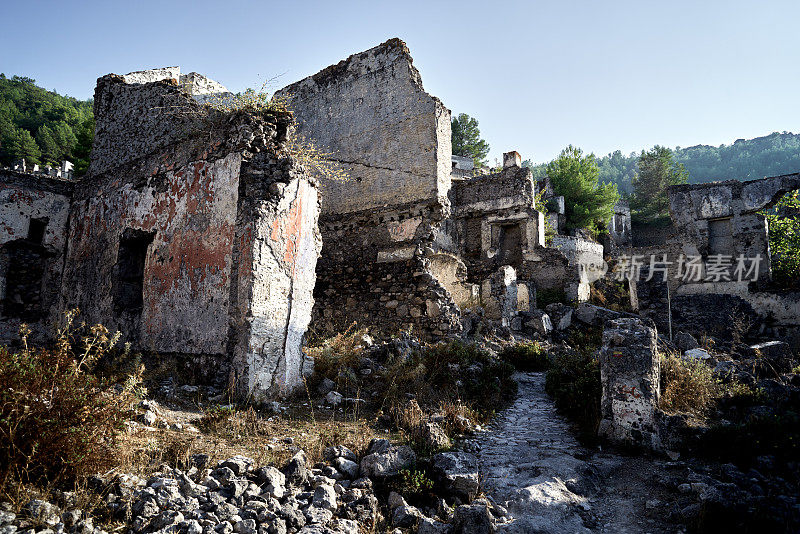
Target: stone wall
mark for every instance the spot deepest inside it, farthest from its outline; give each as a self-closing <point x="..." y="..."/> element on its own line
<point x="720" y="219"/>
<point x="723" y="218"/>
<point x="195" y="236"/>
<point x="390" y="136"/>
<point x="34" y="214"/>
<point x="392" y="140"/>
<point x="629" y="372"/>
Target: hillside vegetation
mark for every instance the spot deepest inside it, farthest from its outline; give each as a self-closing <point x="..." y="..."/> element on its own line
<point x="42" y="126"/>
<point x="745" y="159"/>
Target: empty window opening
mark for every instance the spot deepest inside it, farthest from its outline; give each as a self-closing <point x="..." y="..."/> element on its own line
<point x="472" y="237"/>
<point x="24" y="274"/>
<point x="720" y="237"/>
<point x="36" y="229"/>
<point x="129" y="271"/>
<point x="511" y="244"/>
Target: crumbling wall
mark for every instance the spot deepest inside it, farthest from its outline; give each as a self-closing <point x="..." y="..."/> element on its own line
<point x="200" y="241"/>
<point x="391" y="137"/>
<point x="718" y="222"/>
<point x="278" y="244"/>
<point x="34" y="214"/>
<point x="392" y="140"/>
<point x="722" y="218"/>
<point x="629" y="371"/>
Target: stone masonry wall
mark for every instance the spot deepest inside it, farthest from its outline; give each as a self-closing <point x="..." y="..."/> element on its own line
<point x="629" y="372"/>
<point x="392" y="139"/>
<point x="204" y="246"/>
<point x="372" y="113"/>
<point x="31" y="265"/>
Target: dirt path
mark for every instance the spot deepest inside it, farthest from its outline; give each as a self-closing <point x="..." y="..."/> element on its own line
<point x="532" y="465"/>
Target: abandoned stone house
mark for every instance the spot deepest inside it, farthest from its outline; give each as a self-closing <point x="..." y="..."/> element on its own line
<point x="721" y="220"/>
<point x="201" y="238"/>
<point x="192" y="233"/>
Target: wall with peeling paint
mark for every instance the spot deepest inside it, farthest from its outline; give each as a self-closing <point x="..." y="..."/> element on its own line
<point x="25" y="197"/>
<point x="230" y="230"/>
<point x="191" y="212"/>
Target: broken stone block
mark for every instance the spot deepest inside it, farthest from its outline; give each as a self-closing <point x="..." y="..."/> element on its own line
<point x="334" y="398"/>
<point x="685" y="341"/>
<point x="539" y="322"/>
<point x="594" y="315"/>
<point x="387" y="463"/>
<point x="629" y="371"/>
<point x="458" y="472"/>
<point x="697" y="354"/>
<point x="560" y="315"/>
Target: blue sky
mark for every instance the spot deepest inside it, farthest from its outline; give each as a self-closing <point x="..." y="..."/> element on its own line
<point x="602" y="75"/>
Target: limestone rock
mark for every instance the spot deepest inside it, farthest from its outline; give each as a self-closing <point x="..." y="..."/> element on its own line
<point x="388" y="463"/>
<point x="539" y="322"/>
<point x="458" y="472"/>
<point x="685" y="341"/>
<point x="472" y="519"/>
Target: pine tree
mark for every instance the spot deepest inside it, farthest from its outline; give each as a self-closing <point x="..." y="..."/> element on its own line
<point x="588" y="204"/>
<point x="466" y="138"/>
<point x="24" y="146"/>
<point x="51" y="154"/>
<point x="656" y="171"/>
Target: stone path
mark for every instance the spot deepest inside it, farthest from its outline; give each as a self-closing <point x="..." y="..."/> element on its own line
<point x="531" y="464"/>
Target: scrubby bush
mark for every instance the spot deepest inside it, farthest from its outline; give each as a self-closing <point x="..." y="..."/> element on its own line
<point x="59" y="420"/>
<point x="526" y="356"/>
<point x="687" y="386"/>
<point x="453" y="371"/>
<point x="574" y="383"/>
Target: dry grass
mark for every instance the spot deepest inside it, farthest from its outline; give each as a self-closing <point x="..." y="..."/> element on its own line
<point x="227" y="432"/>
<point x="688" y="386"/>
<point x="335" y="355"/>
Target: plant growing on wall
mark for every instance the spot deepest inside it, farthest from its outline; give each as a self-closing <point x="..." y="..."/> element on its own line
<point x="319" y="162"/>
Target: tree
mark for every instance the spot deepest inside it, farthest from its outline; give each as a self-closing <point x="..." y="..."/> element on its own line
<point x="588" y="204"/>
<point x="656" y="171"/>
<point x="467" y="140"/>
<point x="24" y="146"/>
<point x="51" y="153"/>
<point x="784" y="239"/>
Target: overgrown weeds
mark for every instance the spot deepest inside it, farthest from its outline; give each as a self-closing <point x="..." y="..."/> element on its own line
<point x="687" y="386"/>
<point x="574" y="383"/>
<point x="59" y="420"/>
<point x="527" y="357"/>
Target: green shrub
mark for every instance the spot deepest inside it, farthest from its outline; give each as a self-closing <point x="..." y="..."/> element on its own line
<point x="58" y="420"/>
<point x="526" y="357"/>
<point x="574" y="383"/>
<point x="415" y="483"/>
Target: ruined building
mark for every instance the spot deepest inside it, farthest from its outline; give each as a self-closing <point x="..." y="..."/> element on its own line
<point x="413" y="238"/>
<point x="192" y="233"/>
<point x="196" y="232"/>
<point x="725" y="281"/>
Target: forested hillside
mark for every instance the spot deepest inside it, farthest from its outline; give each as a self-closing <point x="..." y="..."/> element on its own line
<point x="745" y="159"/>
<point x="42" y="126"/>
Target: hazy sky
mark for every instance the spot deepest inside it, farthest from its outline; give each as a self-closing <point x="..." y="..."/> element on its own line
<point x="602" y="75"/>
